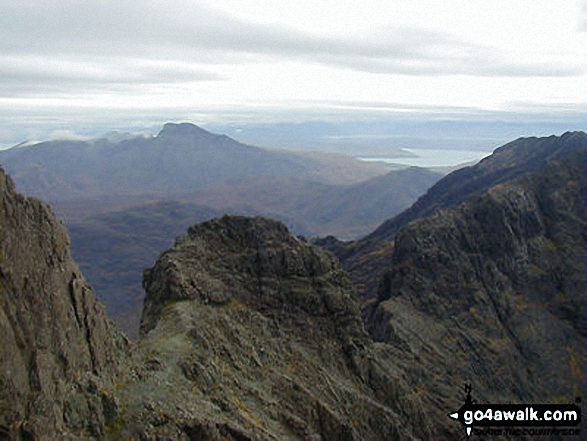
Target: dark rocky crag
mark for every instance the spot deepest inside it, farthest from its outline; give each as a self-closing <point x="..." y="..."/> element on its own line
<point x="250" y="333"/>
<point x="60" y="355"/>
<point x="368" y="259"/>
<point x="492" y="292"/>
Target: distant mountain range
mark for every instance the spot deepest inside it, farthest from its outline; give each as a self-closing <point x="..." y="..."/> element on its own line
<point x="249" y="332"/>
<point x="126" y="198"/>
<point x="181" y="158"/>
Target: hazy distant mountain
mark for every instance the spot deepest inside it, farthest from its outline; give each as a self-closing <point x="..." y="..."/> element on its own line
<point x="182" y="157"/>
<point x="313" y="208"/>
<point x="248" y="332"/>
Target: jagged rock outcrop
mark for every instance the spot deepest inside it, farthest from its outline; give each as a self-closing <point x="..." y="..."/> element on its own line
<point x="367" y="259"/>
<point x="492" y="292"/>
<point x="510" y="161"/>
<point x="250" y="333"/>
<point x="59" y="354"/>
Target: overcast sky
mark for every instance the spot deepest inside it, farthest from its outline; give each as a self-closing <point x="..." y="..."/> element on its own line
<point x="68" y="65"/>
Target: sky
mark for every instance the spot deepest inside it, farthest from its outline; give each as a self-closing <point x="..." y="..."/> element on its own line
<point x="71" y="67"/>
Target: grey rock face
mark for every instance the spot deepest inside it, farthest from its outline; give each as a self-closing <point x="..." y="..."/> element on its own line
<point x="255" y="332"/>
<point x="492" y="292"/>
<point x="59" y="353"/>
<point x="248" y="333"/>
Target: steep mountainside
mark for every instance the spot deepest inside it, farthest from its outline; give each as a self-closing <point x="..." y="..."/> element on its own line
<point x="518" y="158"/>
<point x="249" y="333"/>
<point x="492" y="292"/>
<point x="59" y="355"/>
<point x="515" y="159"/>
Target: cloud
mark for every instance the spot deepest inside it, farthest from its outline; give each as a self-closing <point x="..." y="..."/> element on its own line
<point x="583" y="16"/>
<point x="184" y="30"/>
<point x="25" y="75"/>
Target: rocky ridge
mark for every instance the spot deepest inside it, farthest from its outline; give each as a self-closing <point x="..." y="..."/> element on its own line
<point x="510" y="161"/>
<point x="60" y="355"/>
<point x="250" y="333"/>
<point x="492" y="292"/>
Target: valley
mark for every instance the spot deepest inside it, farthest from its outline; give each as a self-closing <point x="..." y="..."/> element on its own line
<point x="125" y="198"/>
<point x="254" y="329"/>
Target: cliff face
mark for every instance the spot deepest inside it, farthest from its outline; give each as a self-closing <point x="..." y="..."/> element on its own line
<point x="247" y="333"/>
<point x="510" y="161"/>
<point x="250" y="333"/>
<point x="59" y="353"/>
<point x="492" y="292"/>
<point x="367" y="259"/>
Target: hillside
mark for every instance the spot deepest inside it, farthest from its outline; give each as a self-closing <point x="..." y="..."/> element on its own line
<point x="60" y="356"/>
<point x="249" y="332"/>
<point x="492" y="291"/>
<point x="182" y="157"/>
<point x="362" y="258"/>
<point x="314" y="208"/>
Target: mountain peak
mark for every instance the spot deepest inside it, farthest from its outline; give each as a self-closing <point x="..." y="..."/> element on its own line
<point x="201" y="267"/>
<point x="244" y="307"/>
<point x="182" y="129"/>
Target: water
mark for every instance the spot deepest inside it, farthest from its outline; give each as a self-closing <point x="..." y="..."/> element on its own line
<point x="431" y="158"/>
